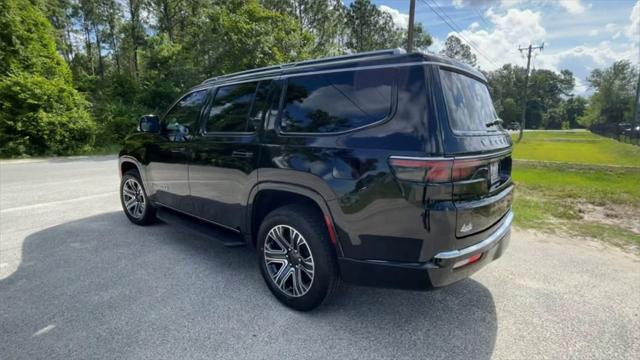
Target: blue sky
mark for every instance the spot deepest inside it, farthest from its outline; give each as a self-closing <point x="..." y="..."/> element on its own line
<point x="579" y="35"/>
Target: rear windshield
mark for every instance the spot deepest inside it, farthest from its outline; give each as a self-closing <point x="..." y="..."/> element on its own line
<point x="469" y="104"/>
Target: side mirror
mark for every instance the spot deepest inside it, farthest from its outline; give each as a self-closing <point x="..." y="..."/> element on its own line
<point x="149" y="124"/>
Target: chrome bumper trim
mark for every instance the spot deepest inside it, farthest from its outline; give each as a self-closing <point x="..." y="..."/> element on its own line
<point x="497" y="235"/>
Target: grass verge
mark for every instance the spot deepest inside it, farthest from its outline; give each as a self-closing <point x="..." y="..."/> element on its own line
<point x="588" y="201"/>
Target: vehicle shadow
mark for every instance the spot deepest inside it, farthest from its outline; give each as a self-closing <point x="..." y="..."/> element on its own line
<point x="101" y="287"/>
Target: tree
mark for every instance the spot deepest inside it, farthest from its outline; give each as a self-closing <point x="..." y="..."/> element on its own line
<point x="456" y="49"/>
<point x="323" y="19"/>
<point x="40" y="111"/>
<point x="550" y="103"/>
<point x="574" y="108"/>
<point x="369" y="28"/>
<point x="421" y="38"/>
<point x="614" y="96"/>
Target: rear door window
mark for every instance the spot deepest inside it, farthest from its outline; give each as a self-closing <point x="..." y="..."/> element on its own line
<point x="229" y="111"/>
<point x="334" y="102"/>
<point x="469" y="104"/>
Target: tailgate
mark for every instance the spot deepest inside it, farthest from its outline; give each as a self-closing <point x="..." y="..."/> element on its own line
<point x="474" y="216"/>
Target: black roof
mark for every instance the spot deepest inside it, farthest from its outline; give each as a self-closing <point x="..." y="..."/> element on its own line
<point x="372" y="58"/>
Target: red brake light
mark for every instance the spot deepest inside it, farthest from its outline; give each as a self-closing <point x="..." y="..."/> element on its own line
<point x="435" y="171"/>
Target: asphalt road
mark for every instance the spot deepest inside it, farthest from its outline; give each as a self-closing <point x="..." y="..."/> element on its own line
<point x="78" y="281"/>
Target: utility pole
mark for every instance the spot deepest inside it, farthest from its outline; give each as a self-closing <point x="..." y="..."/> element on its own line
<point x="529" y="50"/>
<point x="412" y="10"/>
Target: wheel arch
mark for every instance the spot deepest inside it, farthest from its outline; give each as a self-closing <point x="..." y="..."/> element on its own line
<point x="126" y="163"/>
<point x="267" y="196"/>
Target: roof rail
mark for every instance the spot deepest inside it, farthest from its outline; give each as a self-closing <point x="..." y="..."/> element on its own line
<point x="396" y="51"/>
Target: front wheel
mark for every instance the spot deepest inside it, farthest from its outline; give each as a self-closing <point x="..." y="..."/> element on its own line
<point x="134" y="200"/>
<point x="297" y="259"/>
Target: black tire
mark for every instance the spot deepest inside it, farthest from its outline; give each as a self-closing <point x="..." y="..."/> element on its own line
<point x="308" y="223"/>
<point x="147" y="214"/>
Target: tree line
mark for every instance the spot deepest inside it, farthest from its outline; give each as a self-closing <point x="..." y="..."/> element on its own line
<point x="76" y="74"/>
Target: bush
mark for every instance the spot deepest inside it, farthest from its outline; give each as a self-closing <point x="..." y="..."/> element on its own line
<point x="39" y="116"/>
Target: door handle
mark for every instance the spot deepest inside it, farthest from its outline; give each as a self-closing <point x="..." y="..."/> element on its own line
<point x="242" y="154"/>
<point x="178" y="150"/>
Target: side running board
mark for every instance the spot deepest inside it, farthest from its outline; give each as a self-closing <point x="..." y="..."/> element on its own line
<point x="227" y="237"/>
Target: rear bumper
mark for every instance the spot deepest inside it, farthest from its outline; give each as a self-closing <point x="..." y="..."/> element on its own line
<point x="437" y="272"/>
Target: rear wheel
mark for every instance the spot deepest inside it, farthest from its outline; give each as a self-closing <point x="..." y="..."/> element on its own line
<point x="297" y="259"/>
<point x="134" y="200"/>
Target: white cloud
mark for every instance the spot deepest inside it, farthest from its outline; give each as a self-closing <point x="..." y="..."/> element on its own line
<point x="582" y="59"/>
<point x="633" y="30"/>
<point x="610" y="28"/>
<point x="500" y="44"/>
<point x="573" y="6"/>
<point x="437" y="45"/>
<point x="516" y="27"/>
<point x="400" y="20"/>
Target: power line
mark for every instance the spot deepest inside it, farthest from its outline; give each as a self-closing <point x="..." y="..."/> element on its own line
<point x="480" y="16"/>
<point x="459" y="30"/>
<point x="452" y="27"/>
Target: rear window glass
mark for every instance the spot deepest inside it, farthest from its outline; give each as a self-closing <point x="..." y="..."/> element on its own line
<point x="468" y="101"/>
<point x="337" y="101"/>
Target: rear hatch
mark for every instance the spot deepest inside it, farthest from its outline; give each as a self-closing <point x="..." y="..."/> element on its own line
<point x="481" y="149"/>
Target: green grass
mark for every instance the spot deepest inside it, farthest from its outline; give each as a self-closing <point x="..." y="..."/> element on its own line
<point x="576" y="146"/>
<point x="591" y="184"/>
<point x="562" y="173"/>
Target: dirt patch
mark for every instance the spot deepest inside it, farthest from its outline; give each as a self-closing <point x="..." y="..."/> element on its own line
<point x="623" y="216"/>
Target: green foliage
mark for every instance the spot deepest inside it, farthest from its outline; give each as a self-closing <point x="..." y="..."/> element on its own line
<point x="456" y="49"/>
<point x="549" y="104"/>
<point x="131" y="57"/>
<point x="370" y="28"/>
<point x="253" y="37"/>
<point x="26" y="43"/>
<point x="324" y="20"/>
<point x="421" y="38"/>
<point x="40" y="116"/>
<point x="40" y="111"/>
<point x="615" y="94"/>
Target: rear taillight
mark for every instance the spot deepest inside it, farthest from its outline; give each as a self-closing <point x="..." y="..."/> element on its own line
<point x="438" y="170"/>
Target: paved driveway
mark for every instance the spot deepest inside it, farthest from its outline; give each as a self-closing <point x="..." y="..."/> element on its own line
<point x="77" y="280"/>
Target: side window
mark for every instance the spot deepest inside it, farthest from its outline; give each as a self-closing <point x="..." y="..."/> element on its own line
<point x="337" y="101"/>
<point x="182" y="120"/>
<point x="230" y="109"/>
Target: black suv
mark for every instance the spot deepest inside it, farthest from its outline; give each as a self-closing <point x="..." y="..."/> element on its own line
<point x="381" y="168"/>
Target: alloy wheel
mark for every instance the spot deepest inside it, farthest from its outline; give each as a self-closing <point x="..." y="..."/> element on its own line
<point x="133" y="198"/>
<point x="288" y="260"/>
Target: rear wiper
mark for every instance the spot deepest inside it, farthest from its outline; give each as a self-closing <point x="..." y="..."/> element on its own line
<point x="494" y="123"/>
